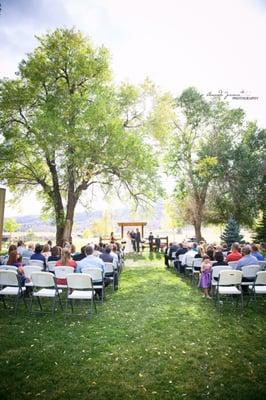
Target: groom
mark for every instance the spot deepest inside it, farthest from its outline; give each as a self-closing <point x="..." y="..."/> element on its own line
<point x="137" y="239"/>
<point x="133" y="239"/>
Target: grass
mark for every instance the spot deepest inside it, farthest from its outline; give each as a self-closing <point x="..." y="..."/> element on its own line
<point x="155" y="338"/>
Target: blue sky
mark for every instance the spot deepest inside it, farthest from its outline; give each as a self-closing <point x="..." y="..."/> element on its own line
<point x="210" y="44"/>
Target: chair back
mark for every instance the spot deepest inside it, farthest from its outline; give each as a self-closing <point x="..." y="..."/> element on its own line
<point x="62" y="272"/>
<point x="96" y="274"/>
<point x="218" y="268"/>
<point x="39" y="263"/>
<point x="43" y="279"/>
<point x="8" y="268"/>
<point x="197" y="262"/>
<point x="261" y="278"/>
<point x="230" y="277"/>
<point x="109" y="268"/>
<point x="181" y="258"/>
<point x="51" y="266"/>
<point x="25" y="260"/>
<point x="190" y="260"/>
<point x="250" y="271"/>
<point x="262" y="264"/>
<point x="232" y="264"/>
<point x="8" y="278"/>
<point x="29" y="269"/>
<point x="79" y="281"/>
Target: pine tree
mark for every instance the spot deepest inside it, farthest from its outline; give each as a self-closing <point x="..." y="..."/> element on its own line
<point x="260" y="229"/>
<point x="231" y="233"/>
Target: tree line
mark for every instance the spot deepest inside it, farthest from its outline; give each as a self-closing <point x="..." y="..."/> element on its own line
<point x="65" y="126"/>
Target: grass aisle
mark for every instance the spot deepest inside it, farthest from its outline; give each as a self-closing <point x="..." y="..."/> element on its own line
<point x="155" y="338"/>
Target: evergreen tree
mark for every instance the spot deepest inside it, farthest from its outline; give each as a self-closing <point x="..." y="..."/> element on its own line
<point x="231" y="233"/>
<point x="260" y="229"/>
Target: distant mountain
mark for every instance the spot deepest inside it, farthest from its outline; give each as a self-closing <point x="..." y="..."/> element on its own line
<point x="85" y="219"/>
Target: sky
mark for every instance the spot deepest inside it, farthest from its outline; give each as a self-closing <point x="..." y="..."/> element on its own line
<point x="210" y="44"/>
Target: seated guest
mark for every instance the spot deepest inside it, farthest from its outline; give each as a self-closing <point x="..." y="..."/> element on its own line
<point x="190" y="253"/>
<point x="235" y="254"/>
<point x="255" y="252"/>
<point x="96" y="251"/>
<point x="65" y="261"/>
<point x="182" y="249"/>
<point x="106" y="255"/>
<point x="15" y="260"/>
<point x="29" y="251"/>
<point x="72" y="249"/>
<point x="247" y="258"/>
<point x="114" y="255"/>
<point x="20" y="247"/>
<point x="200" y="253"/>
<point x="55" y="254"/>
<point x="219" y="259"/>
<point x="90" y="261"/>
<point x="46" y="251"/>
<point x="169" y="253"/>
<point x="81" y="255"/>
<point x="210" y="252"/>
<point x="37" y="254"/>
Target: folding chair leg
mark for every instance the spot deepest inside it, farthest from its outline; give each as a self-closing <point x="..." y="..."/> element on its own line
<point x="39" y="302"/>
<point x="60" y="302"/>
<point x="3" y="298"/>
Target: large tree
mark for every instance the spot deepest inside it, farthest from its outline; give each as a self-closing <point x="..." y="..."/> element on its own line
<point x="64" y="127"/>
<point x="206" y="135"/>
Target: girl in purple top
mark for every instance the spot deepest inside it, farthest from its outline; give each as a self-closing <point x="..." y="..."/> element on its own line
<point x="205" y="276"/>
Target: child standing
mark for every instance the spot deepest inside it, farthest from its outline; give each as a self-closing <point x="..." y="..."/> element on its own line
<point x="205" y="277"/>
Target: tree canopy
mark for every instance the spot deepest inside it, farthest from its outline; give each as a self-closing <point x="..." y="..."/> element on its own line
<point x="65" y="127"/>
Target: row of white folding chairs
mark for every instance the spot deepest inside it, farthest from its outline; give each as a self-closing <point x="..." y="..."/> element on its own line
<point x="230" y="282"/>
<point x="44" y="286"/>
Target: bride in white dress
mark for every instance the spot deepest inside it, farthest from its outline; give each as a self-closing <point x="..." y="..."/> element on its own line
<point x="128" y="246"/>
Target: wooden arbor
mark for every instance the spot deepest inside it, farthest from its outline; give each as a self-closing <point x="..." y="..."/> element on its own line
<point x="132" y="224"/>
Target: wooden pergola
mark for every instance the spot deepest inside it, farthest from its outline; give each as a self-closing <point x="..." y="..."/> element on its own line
<point x="131" y="224"/>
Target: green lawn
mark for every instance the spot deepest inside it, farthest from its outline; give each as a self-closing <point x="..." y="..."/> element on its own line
<point x="155" y="338"/>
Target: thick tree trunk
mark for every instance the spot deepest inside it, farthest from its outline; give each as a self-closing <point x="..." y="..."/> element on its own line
<point x="197" y="227"/>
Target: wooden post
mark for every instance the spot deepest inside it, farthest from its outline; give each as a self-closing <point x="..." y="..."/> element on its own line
<point x="142" y="231"/>
<point x="122" y="231"/>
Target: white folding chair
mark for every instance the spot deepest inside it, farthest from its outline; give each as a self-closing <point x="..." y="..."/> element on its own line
<point x="109" y="273"/>
<point x="28" y="270"/>
<point x="196" y="267"/>
<point x="249" y="273"/>
<point x="215" y="275"/>
<point x="51" y="266"/>
<point x="44" y="286"/>
<point x="189" y="264"/>
<point x="39" y="263"/>
<point x="259" y="286"/>
<point x="61" y="273"/>
<point x="233" y="264"/>
<point x="80" y="287"/>
<point x="173" y="256"/>
<point x="8" y="268"/>
<point x="96" y="275"/>
<point x="181" y="259"/>
<point x="262" y="264"/>
<point x="9" y="286"/>
<point x="229" y="284"/>
<point x="25" y="260"/>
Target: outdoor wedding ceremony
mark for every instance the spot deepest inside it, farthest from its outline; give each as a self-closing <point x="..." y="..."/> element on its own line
<point x="132" y="199"/>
